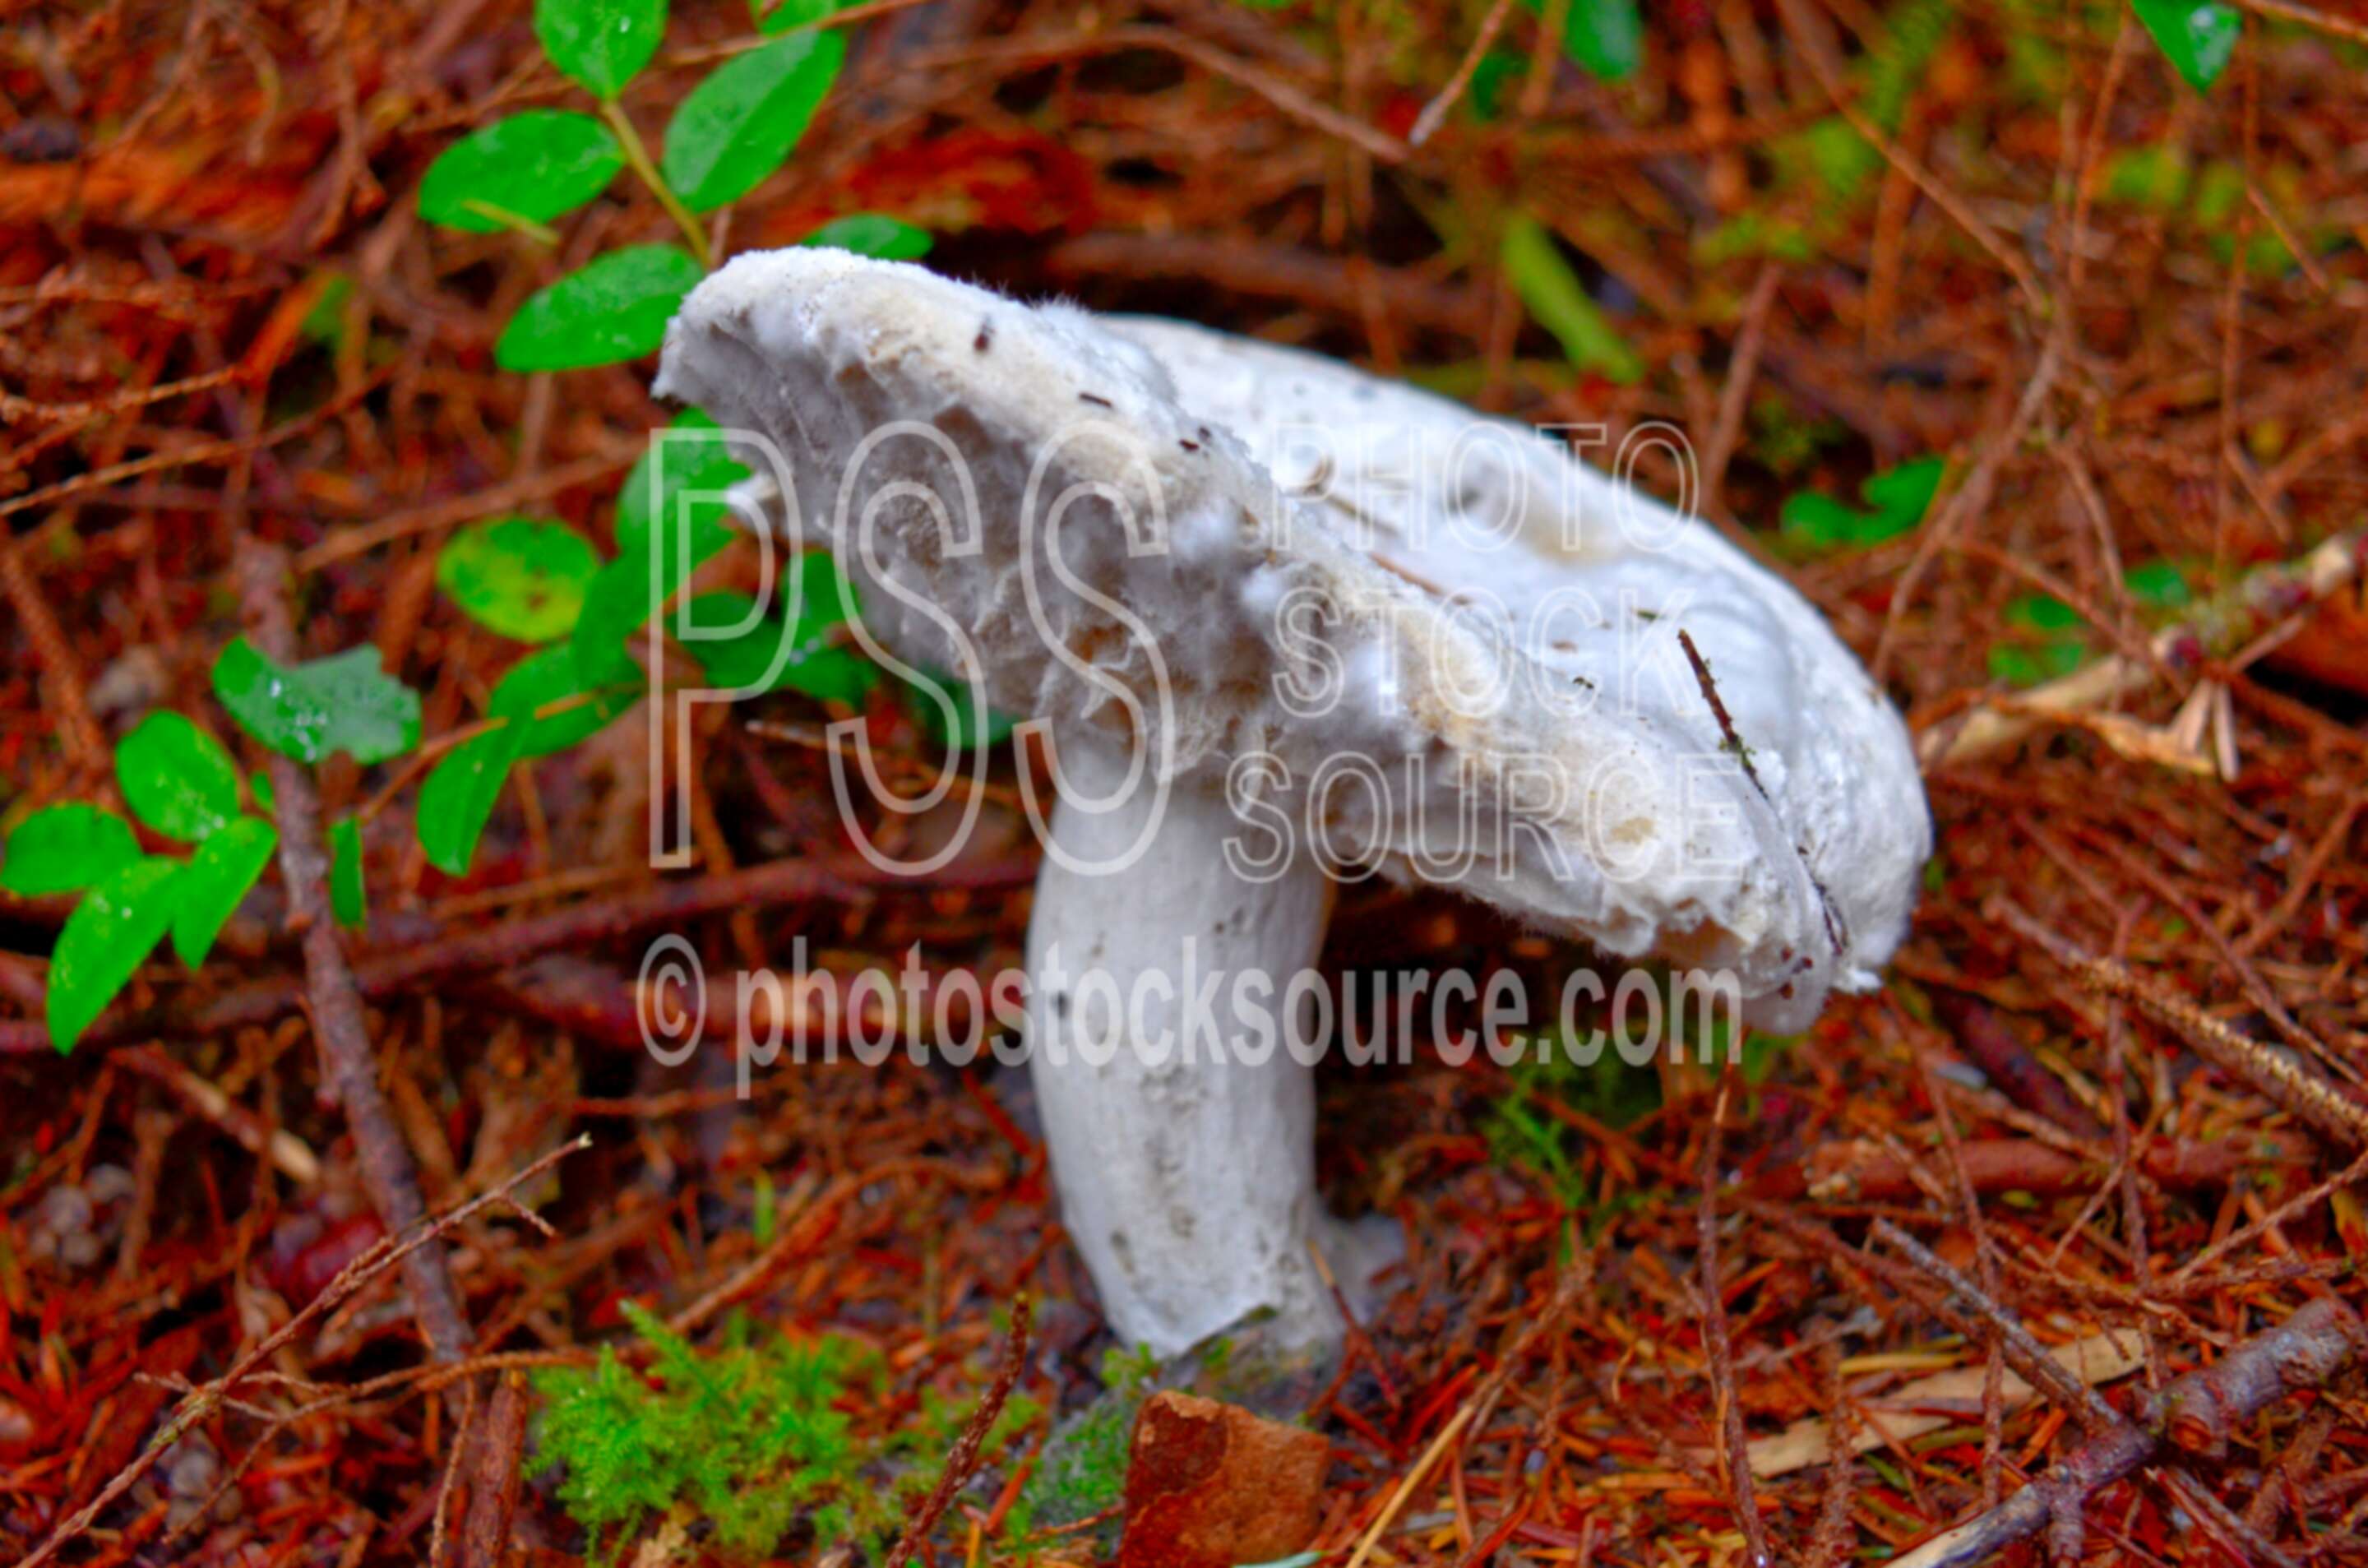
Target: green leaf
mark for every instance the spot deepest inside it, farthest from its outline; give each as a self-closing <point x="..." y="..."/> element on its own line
<point x="739" y="125"/>
<point x="1499" y="70"/>
<point x="2034" y="665"/>
<point x="780" y="17"/>
<point x="548" y="675"/>
<point x="216" y="879"/>
<point x="458" y="799"/>
<point x="616" y="605"/>
<point x="873" y="234"/>
<point x="2154" y="176"/>
<point x="600" y="43"/>
<point x="2219" y="188"/>
<point x="936" y="692"/>
<point x="65" y="849"/>
<point x="2042" y="612"/>
<point x="518" y="577"/>
<point x="344" y="702"/>
<point x="2047" y="641"/>
<point x="348" y="897"/>
<point x="820" y="595"/>
<point x="2196" y="36"/>
<point x="2160" y="583"/>
<point x="1899" y="497"/>
<point x="612" y="309"/>
<point x="325" y="322"/>
<point x="663" y="531"/>
<point x="177" y="777"/>
<point x="745" y="661"/>
<point x="1819" y="522"/>
<point x="111" y="931"/>
<point x="266" y="797"/>
<point x="696" y="475"/>
<point x="1834" y="154"/>
<point x="533" y="166"/>
<point x="846" y="677"/>
<point x="1555" y="297"/>
<point x="1606" y="38"/>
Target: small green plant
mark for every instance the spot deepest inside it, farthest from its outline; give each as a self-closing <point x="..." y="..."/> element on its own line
<point x="2196" y="36"/>
<point x="1896" y="499"/>
<point x="539" y="582"/>
<point x="750" y="1436"/>
<point x="533" y="580"/>
<point x="1523" y="1136"/>
<point x="181" y="783"/>
<point x="2158" y="178"/>
<point x="1605" y="38"/>
<point x="1542" y="276"/>
<point x="2046" y="639"/>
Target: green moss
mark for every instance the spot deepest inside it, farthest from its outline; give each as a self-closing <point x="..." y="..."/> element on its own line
<point x="749" y="1435"/>
<point x="1083" y="1470"/>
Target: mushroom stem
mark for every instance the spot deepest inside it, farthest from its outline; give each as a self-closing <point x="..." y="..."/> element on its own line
<point x="1181" y="1126"/>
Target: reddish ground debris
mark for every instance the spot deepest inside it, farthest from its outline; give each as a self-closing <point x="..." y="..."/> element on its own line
<point x="2113" y="1083"/>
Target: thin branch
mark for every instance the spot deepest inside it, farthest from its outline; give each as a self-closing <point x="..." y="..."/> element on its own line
<point x="2196" y="1414"/>
<point x="2278" y="1079"/>
<point x="348" y="1064"/>
<point x="964" y="1457"/>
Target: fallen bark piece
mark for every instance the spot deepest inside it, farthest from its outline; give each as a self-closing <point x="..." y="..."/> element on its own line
<point x="2196" y="1414"/>
<point x="1942" y="1399"/>
<point x="1210" y="1485"/>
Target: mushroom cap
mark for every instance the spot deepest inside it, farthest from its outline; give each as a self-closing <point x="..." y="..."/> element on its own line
<point x="1451" y="649"/>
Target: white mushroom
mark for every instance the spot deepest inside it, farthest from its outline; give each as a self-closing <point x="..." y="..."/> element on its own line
<point x="1207" y="562"/>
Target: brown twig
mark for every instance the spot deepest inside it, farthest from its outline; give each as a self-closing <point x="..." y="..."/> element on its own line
<point x="1434" y="113"/>
<point x="84" y="744"/>
<point x="1734" y="398"/>
<point x="1734" y="1447"/>
<point x="407" y="967"/>
<point x="2029" y="1359"/>
<point x="964" y="1457"/>
<point x="494" y="1489"/>
<point x="2195" y="1414"/>
<point x="1733" y="742"/>
<point x="2307" y="1097"/>
<point x="348" y="1064"/>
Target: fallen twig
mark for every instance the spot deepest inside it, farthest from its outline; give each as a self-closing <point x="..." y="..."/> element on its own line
<point x="2029" y="1357"/>
<point x="964" y="1457"/>
<point x="2195" y="1414"/>
<point x="494" y="1490"/>
<point x="348" y="1064"/>
<point x="1434" y="113"/>
<point x="2308" y="1098"/>
<point x="409" y="966"/>
<point x="1734" y="1449"/>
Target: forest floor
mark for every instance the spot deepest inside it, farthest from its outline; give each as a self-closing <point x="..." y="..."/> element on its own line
<point x="2097" y="1132"/>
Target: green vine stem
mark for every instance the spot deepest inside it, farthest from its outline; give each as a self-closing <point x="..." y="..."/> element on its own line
<point x="638" y="157"/>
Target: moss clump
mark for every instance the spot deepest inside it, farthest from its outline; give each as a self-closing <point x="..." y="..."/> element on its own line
<point x="1083" y="1472"/>
<point x="750" y="1436"/>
